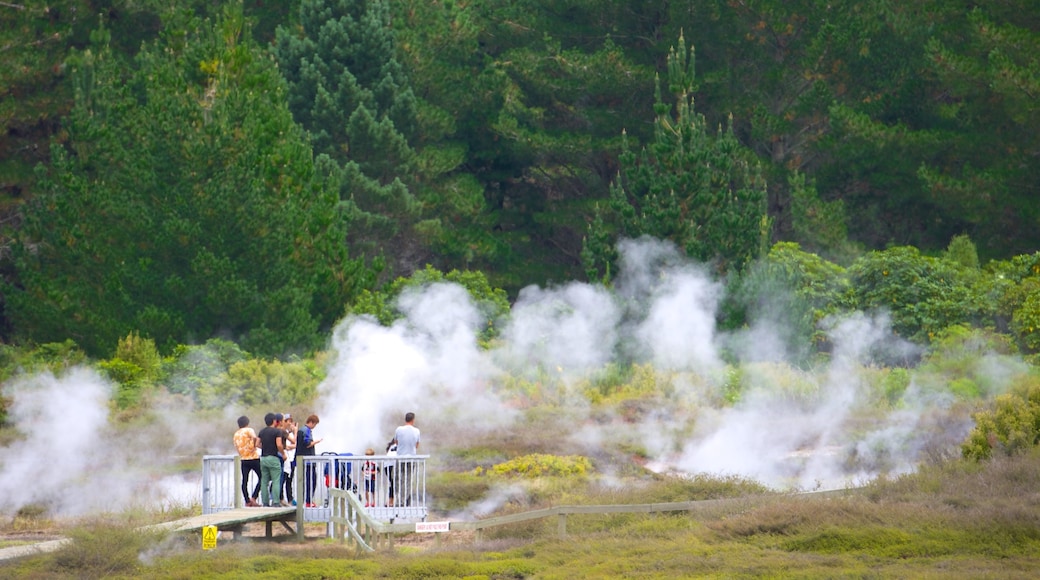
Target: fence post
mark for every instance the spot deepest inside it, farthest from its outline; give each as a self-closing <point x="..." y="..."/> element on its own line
<point x="301" y="478"/>
<point x="239" y="502"/>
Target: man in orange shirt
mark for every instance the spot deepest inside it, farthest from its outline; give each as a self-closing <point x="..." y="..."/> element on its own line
<point x="248" y="446"/>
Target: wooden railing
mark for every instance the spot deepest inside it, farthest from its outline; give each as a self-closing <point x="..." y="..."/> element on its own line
<point x="352" y="523"/>
<point x="396" y="489"/>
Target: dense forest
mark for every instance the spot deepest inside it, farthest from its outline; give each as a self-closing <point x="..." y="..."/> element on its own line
<point x="253" y="170"/>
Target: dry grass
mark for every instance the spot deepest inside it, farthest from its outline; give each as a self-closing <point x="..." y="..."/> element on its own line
<point x="951" y="519"/>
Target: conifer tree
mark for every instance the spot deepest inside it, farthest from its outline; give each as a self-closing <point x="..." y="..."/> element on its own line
<point x="687" y="185"/>
<point x="347" y="90"/>
<point x="185" y="204"/>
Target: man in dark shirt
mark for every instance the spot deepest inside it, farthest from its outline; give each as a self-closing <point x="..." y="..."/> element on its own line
<point x="272" y="453"/>
<point x="305" y="447"/>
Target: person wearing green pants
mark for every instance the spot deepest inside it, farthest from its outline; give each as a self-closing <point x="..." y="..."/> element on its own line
<point x="272" y="453"/>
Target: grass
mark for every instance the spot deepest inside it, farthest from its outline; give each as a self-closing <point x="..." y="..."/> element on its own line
<point x="951" y="520"/>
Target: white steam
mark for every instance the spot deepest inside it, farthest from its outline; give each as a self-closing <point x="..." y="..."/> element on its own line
<point x="662" y="311"/>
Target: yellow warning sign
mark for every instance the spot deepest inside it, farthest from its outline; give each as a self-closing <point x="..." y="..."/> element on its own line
<point x="209" y="537"/>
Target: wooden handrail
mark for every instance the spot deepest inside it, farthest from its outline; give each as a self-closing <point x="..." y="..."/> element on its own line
<point x="561" y="511"/>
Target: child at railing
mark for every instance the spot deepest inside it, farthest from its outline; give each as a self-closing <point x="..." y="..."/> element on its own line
<point x="391" y="451"/>
<point x="369" y="471"/>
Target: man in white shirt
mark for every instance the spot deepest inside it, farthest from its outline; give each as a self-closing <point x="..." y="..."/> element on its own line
<point x="407" y="438"/>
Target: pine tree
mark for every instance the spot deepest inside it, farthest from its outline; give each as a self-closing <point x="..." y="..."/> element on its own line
<point x="185" y="204"/>
<point x="351" y="96"/>
<point x="688" y="186"/>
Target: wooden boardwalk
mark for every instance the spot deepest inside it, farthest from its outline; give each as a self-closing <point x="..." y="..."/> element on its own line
<point x="233" y="520"/>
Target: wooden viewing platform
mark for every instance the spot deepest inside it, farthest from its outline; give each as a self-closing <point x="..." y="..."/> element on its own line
<point x="395" y="490"/>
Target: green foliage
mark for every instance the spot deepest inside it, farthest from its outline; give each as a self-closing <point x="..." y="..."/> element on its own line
<point x="102" y="549"/>
<point x="492" y="303"/>
<point x="129" y="378"/>
<point x="541" y="465"/>
<point x="818" y="225"/>
<point x="135" y="367"/>
<point x="1010" y="425"/>
<point x="184" y="203"/>
<point x="961" y="358"/>
<point x="963" y="251"/>
<point x="984" y="59"/>
<point x="262" y="382"/>
<point x="924" y="295"/>
<point x="1025" y="322"/>
<point x="894" y="384"/>
<point x="352" y="97"/>
<point x="196" y="370"/>
<point x="687" y="186"/>
<point x="56" y="357"/>
<point x="141" y="352"/>
<point x="616" y="384"/>
<point x="792" y="289"/>
<point x="1007" y="286"/>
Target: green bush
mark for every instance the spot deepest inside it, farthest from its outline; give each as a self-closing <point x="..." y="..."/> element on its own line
<point x="924" y="295"/>
<point x="196" y="368"/>
<point x="1025" y="321"/>
<point x="129" y="379"/>
<point x="956" y="361"/>
<point x="260" y="382"/>
<point x="795" y="288"/>
<point x="894" y="384"/>
<point x="1011" y="425"/>
<point x="134" y="368"/>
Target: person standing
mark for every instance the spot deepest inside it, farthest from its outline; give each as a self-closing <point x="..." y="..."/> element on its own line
<point x="407" y="438"/>
<point x="272" y="453"/>
<point x="370" y="473"/>
<point x="248" y="446"/>
<point x="391" y="451"/>
<point x="289" y="465"/>
<point x="306" y="446"/>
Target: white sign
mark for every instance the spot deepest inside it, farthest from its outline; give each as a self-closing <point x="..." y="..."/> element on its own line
<point x="421" y="527"/>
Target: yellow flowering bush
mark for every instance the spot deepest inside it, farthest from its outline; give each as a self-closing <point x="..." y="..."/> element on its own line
<point x="540" y="465"/>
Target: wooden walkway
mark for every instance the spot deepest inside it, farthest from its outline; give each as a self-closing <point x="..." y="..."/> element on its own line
<point x="233" y="520"/>
<point x="229" y="520"/>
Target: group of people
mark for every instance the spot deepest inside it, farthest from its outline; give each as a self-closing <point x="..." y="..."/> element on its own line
<point x="271" y="455"/>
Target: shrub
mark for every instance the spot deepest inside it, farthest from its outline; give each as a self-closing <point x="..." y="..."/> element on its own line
<point x="923" y="294"/>
<point x="540" y="464"/>
<point x="259" y="382"/>
<point x="797" y="289"/>
<point x="194" y="368"/>
<point x="103" y="549"/>
<point x="1011" y="425"/>
<point x="894" y="384"/>
<point x="129" y="379"/>
<point x="1025" y="321"/>
<point x="140" y="352"/>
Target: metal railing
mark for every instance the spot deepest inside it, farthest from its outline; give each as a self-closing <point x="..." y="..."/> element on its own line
<point x="221" y="481"/>
<point x="388" y="488"/>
